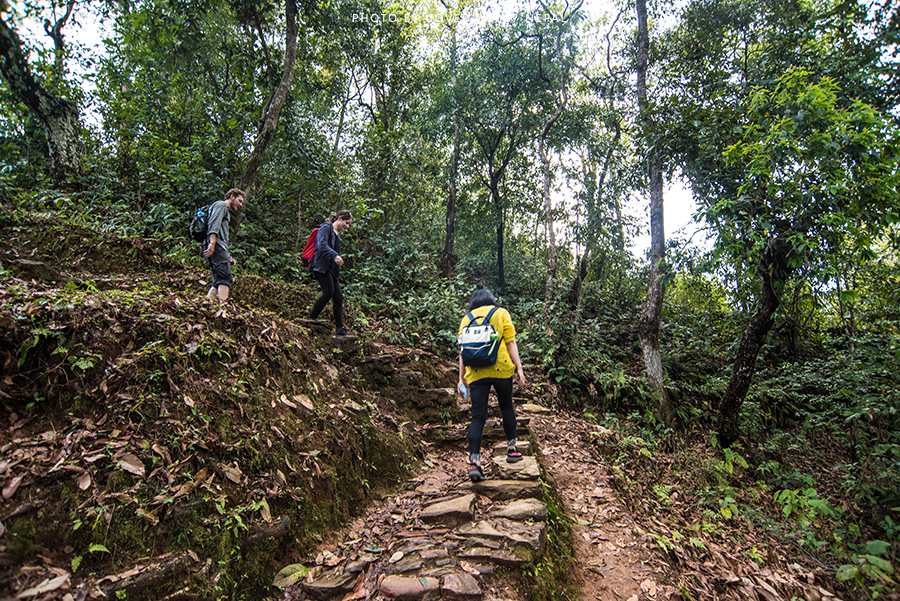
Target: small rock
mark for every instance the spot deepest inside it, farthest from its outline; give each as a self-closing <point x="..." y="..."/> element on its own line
<point x="460" y="586"/>
<point x="523" y="510"/>
<point x="403" y="588"/>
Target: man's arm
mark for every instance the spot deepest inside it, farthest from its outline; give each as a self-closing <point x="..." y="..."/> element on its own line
<point x="209" y="250"/>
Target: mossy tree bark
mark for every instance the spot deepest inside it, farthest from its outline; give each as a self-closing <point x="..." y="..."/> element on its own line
<point x="58" y="116"/>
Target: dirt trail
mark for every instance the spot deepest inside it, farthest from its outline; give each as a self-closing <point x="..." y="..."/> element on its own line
<point x="612" y="561"/>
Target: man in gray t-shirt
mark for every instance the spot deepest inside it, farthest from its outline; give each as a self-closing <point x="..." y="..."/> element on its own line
<point x="216" y="251"/>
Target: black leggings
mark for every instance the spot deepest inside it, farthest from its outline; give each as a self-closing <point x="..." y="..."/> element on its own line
<point x="331" y="289"/>
<point x="480" y="389"/>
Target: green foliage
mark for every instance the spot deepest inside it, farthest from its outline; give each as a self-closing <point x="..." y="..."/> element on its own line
<point x="815" y="169"/>
<point x="873" y="569"/>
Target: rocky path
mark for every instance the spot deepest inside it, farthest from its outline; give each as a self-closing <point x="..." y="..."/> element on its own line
<point x="444" y="537"/>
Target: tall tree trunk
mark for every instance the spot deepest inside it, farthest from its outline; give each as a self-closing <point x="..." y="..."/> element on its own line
<point x="548" y="204"/>
<point x="648" y="326"/>
<point x="270" y="118"/>
<point x="498" y="209"/>
<point x="450" y="221"/>
<point x="58" y="116"/>
<point x="752" y="340"/>
<point x="301" y="230"/>
<point x="340" y="125"/>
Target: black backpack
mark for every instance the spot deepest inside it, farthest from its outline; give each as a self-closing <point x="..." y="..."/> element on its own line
<point x="197" y="223"/>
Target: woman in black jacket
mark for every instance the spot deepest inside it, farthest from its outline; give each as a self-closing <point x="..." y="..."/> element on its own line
<point x="326" y="268"/>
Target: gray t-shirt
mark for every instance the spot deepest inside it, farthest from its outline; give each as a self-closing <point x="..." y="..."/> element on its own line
<point x="218" y="223"/>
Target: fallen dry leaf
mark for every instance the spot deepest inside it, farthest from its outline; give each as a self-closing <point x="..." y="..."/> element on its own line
<point x="131" y="464"/>
<point x="469" y="568"/>
<point x="146" y="515"/>
<point x="234" y="474"/>
<point x="47" y="586"/>
<point x="649" y="587"/>
<point x="84" y="481"/>
<point x="362" y="593"/>
<point x="162" y="452"/>
<point x="10" y="489"/>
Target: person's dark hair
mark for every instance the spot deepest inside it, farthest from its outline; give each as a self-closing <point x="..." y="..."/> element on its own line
<point x="235" y="192"/>
<point x="342" y="215"/>
<point x="481" y="297"/>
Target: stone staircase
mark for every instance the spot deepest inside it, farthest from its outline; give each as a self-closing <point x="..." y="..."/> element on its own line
<point x="443" y="537"/>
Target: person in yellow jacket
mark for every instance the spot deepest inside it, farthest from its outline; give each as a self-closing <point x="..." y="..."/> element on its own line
<point x="476" y="382"/>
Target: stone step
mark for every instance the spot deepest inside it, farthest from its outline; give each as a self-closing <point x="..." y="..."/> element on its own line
<point x="459" y="539"/>
<point x="450" y="513"/>
<point x="526" y="469"/>
<point x="504" y="490"/>
<point x="329" y="584"/>
<point x="522" y="510"/>
<point x="455" y="586"/>
<point x="522" y="446"/>
<point x="509" y="533"/>
<point x="535" y="409"/>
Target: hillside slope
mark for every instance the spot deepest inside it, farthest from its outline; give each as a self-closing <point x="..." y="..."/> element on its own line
<point x="160" y="446"/>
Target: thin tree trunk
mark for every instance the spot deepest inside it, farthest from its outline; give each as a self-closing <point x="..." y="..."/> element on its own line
<point x="340" y="126"/>
<point x="648" y="327"/>
<point x="498" y="209"/>
<point x="450" y="221"/>
<point x="59" y="45"/>
<point x="298" y="245"/>
<point x="270" y="118"/>
<point x="579" y="279"/>
<point x="752" y="340"/>
<point x="548" y="204"/>
<point x="58" y="116"/>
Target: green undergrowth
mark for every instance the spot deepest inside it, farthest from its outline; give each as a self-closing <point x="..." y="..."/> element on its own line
<point x="548" y="578"/>
<point x="791" y="495"/>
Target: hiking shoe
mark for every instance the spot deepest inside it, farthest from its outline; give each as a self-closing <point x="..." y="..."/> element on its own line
<point x="342" y="331"/>
<point x="475" y="473"/>
<point x="513" y="456"/>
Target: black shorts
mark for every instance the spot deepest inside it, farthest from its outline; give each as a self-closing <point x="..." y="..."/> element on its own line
<point x="220" y="268"/>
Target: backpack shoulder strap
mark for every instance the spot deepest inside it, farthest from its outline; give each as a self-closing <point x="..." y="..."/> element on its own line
<point x="471" y="318"/>
<point x="487" y="318"/>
